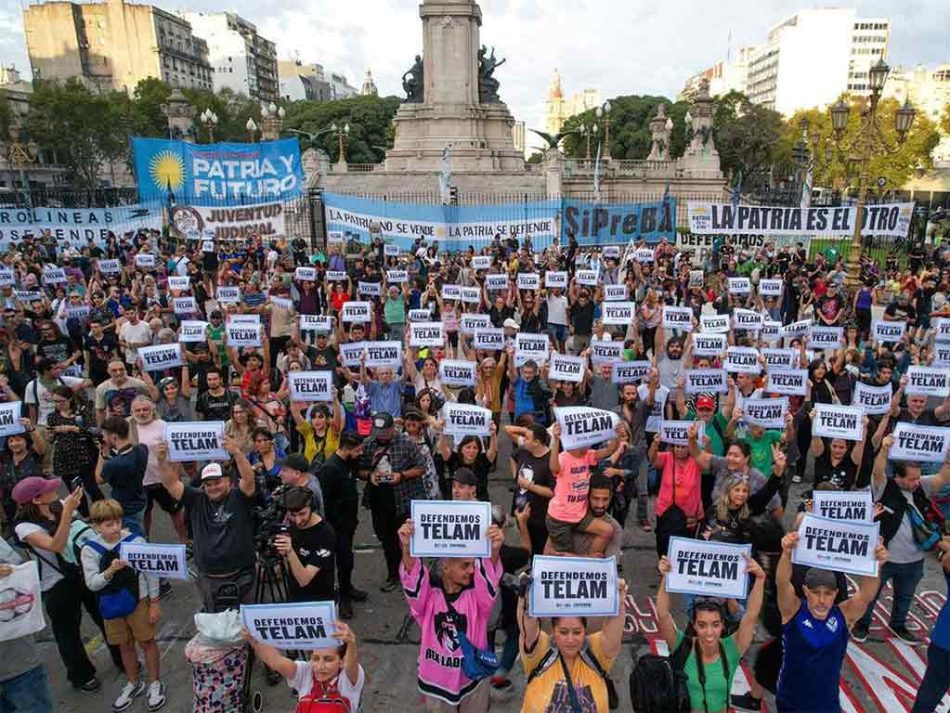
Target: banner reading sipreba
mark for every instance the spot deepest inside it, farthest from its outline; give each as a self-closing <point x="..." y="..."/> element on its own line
<point x="450" y="528"/>
<point x="573" y="586"/>
<point x="708" y="568"/>
<point x="837" y="545"/>
<point x="304" y="626"/>
<point x="886" y="219"/>
<point x="190" y="441"/>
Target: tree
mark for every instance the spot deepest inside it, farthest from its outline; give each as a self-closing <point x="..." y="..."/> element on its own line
<point x="945" y="121"/>
<point x="232" y="109"/>
<point x="747" y="137"/>
<point x="146" y="114"/>
<point x="370" y="119"/>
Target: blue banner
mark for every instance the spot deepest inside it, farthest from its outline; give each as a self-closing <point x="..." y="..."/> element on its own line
<point x="617" y="224"/>
<point x="217" y="174"/>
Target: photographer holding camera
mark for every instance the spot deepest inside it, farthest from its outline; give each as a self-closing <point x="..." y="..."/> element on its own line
<point x="222" y="523"/>
<point x="308" y="548"/>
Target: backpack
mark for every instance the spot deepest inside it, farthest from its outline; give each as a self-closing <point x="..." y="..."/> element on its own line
<point x="324" y="698"/>
<point x="658" y="683"/>
<point x="120" y="596"/>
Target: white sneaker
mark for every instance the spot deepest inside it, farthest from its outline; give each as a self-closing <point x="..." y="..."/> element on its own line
<point x="796" y="478"/>
<point x="129" y="692"/>
<point x="156" y="696"/>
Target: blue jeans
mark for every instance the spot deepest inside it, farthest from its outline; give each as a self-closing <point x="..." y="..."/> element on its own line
<point x="557" y="332"/>
<point x="135" y="523"/>
<point x="27" y="693"/>
<point x="905" y="578"/>
<point x="936" y="680"/>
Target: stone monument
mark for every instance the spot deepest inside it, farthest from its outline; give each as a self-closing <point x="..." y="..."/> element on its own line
<point x="452" y="98"/>
<point x="661" y="126"/>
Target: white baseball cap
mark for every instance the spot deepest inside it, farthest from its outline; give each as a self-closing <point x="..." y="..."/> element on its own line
<point x="211" y="472"/>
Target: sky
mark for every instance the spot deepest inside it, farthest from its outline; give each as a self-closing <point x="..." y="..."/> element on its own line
<point x="616" y="46"/>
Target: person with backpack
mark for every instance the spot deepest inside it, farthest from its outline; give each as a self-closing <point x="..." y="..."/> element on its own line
<point x="128" y="602"/>
<point x="569" y="665"/>
<point x="331" y="681"/>
<point x="708" y="659"/>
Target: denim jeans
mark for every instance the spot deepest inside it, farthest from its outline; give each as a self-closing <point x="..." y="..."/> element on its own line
<point x="905" y="578"/>
<point x="135" y="522"/>
<point x="936" y="680"/>
<point x="26" y="693"/>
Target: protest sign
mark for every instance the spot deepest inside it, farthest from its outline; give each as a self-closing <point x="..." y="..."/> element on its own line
<point x="529" y="281"/>
<point x="605" y="352"/>
<point x="160" y="356"/>
<point x="465" y="420"/>
<point x="584" y="426"/>
<point x="771" y="331"/>
<point x="109" y="267"/>
<point x="586" y="277"/>
<point x="496" y="282"/>
<point x="531" y="346"/>
<point x="315" y="323"/>
<point x="926" y="444"/>
<point x="21" y="605"/>
<point x="243" y="335"/>
<point x="770" y="288"/>
<point x="184" y="305"/>
<point x="334" y="236"/>
<point x="207" y="246"/>
<point x="837" y="545"/>
<point x="489" y="339"/>
<point x="796" y="329"/>
<point x="356" y="312"/>
<point x="27" y="296"/>
<point x="165" y="561"/>
<point x="228" y="295"/>
<point x="305" y="274"/>
<point x="791" y="382"/>
<point x="845" y="422"/>
<point x="927" y="381"/>
<point x="655" y="414"/>
<point x="617" y="313"/>
<point x="457" y="373"/>
<point x="481" y="262"/>
<point x="705" y="381"/>
<point x="470" y="295"/>
<point x="80" y="313"/>
<point x="10" y="415"/>
<point x="886" y="219"/>
<point x="610" y="251"/>
<point x="146" y="261"/>
<point x="396" y="277"/>
<point x="848" y="505"/>
<point x="281" y="302"/>
<point x="555" y="279"/>
<point x="780" y="358"/>
<point x="390" y="250"/>
<point x="714" y="323"/>
<point x="573" y="586"/>
<point x="677" y="432"/>
<point x="54" y="275"/>
<point x="709" y="345"/>
<point x="310" y="385"/>
<point x="369" y="289"/>
<point x="468" y="323"/>
<point x="450" y="528"/>
<point x="707" y="568"/>
<point x="193" y="331"/>
<point x="630" y="372"/>
<point x="942" y="329"/>
<point x="567" y="368"/>
<point x="298" y="627"/>
<point x="697" y="278"/>
<point x="190" y="441"/>
<point x="336" y="276"/>
<point x="179" y="284"/>
<point x="821" y="337"/>
<point x="616" y="293"/>
<point x="421" y="315"/>
<point x="643" y="255"/>
<point x="352" y="353"/>
<point x="888" y="331"/>
<point x="450" y="292"/>
<point x="746" y="319"/>
<point x="678" y="318"/>
<point x="941" y="352"/>
<point x="426" y="334"/>
<point x="384" y="354"/>
<point x="744" y="360"/>
<point x="767" y="413"/>
<point x="873" y="400"/>
<point x="739" y="285"/>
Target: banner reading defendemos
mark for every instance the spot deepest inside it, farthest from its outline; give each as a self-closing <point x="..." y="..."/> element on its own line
<point x="927" y="444"/>
<point x="875" y="400"/>
<point x="305" y="626"/>
<point x="583" y="426"/>
<point x="457" y="373"/>
<point x="465" y="420"/>
<point x="167" y="561"/>
<point x="847" y="505"/>
<point x="310" y="385"/>
<point x="190" y="441"/>
<point x="160" y="356"/>
<point x="837" y="545"/>
<point x="886" y="219"/>
<point x="708" y="568"/>
<point x="845" y="422"/>
<point x="573" y="586"/>
<point x="450" y="528"/>
<point x="10" y="418"/>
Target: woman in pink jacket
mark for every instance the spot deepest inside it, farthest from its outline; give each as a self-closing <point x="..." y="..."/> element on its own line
<point x="457" y="598"/>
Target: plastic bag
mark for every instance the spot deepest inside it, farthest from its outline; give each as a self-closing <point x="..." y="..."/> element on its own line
<point x="21" y="603"/>
<point x="222" y="628"/>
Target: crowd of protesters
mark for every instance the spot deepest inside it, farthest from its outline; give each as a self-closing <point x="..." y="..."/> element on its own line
<point x="91" y="462"/>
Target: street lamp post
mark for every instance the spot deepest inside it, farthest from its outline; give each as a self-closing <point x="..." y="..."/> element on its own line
<point x="589" y="131"/>
<point x="272" y="117"/>
<point x="340" y="132"/>
<point x="251" y="127"/>
<point x="870" y="130"/>
<point x="210" y="120"/>
<point x="605" y="113"/>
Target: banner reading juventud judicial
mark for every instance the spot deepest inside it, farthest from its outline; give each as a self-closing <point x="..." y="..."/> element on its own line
<point x="886" y="219"/>
<point x="228" y="222"/>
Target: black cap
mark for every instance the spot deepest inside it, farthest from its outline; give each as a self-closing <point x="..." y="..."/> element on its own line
<point x="411" y="413"/>
<point x="464" y="476"/>
<point x="382" y="422"/>
<point x="296" y="461"/>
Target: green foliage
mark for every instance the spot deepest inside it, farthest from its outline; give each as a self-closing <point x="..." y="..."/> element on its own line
<point x="945" y="121"/>
<point x="7" y="118"/>
<point x="747" y="136"/>
<point x="145" y="108"/>
<point x="370" y="119"/>
<point x="233" y="111"/>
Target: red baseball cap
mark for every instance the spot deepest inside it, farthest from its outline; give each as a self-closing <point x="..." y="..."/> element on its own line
<point x="705" y="402"/>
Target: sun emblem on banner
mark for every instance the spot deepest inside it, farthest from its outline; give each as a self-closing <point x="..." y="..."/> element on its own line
<point x="167" y="170"/>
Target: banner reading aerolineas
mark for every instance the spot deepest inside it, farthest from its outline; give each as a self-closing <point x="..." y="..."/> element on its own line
<point x="886" y="219"/>
<point x="218" y="174"/>
<point x="76" y="226"/>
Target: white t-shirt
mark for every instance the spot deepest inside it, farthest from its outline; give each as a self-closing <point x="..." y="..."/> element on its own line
<point x="42" y="398"/>
<point x="49" y="567"/>
<point x="151" y="435"/>
<point x="557" y="310"/>
<point x="181" y="268"/>
<point x="302" y="682"/>
<point x="135" y="334"/>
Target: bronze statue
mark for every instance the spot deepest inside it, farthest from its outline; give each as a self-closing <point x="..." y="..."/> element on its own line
<point x="413" y="86"/>
<point x="487" y="84"/>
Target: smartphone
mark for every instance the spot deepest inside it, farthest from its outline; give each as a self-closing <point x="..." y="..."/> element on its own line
<point x="283" y="529"/>
<point x="75" y="483"/>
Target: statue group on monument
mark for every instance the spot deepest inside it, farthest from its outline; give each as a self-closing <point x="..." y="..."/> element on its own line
<point x="414" y="86"/>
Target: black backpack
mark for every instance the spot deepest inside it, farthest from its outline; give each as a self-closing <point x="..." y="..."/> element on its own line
<point x="658" y="683"/>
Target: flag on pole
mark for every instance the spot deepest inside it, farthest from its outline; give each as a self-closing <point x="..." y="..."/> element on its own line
<point x="597" y="175"/>
<point x="807" y="185"/>
<point x="737" y="192"/>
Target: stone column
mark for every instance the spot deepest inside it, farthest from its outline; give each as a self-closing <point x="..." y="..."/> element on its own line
<point x="450" y="30"/>
<point x="660" y="128"/>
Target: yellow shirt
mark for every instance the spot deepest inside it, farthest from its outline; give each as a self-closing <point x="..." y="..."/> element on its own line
<point x="311" y="447"/>
<point x="549" y="687"/>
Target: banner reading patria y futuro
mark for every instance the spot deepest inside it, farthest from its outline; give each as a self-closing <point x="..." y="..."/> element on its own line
<point x="885" y="219"/>
<point x="218" y="174"/>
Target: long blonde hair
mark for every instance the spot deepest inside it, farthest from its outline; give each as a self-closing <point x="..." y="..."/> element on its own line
<point x="723" y="506"/>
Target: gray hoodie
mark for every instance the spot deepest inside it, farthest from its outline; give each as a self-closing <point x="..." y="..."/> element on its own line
<point x="148" y="583"/>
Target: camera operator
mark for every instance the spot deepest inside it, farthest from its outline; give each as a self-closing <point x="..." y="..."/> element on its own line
<point x="294" y="474"/>
<point x="222" y="523"/>
<point x="308" y="549"/>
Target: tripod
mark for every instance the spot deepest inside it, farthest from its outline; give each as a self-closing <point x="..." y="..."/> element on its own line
<point x="271" y="579"/>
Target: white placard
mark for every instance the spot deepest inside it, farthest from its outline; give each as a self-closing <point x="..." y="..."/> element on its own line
<point x="941" y="352"/>
<point x="771" y="331"/>
<point x="160" y="356"/>
<point x="847" y="505"/>
<point x="54" y="276"/>
<point x="356" y="312"/>
<point x="821" y="337"/>
<point x="193" y="330"/>
<point x="616" y="293"/>
<point x="746" y="319"/>
<point x="10" y="418"/>
<point x="845" y="422"/>
<point x="190" y="441"/>
<point x="243" y="335"/>
<point x="109" y="267"/>
<point x="529" y="281"/>
<point x="481" y="262"/>
<point x="942" y="329"/>
<point x="617" y="313"/>
<point x="555" y="279"/>
<point x="605" y="352"/>
<point x="744" y="360"/>
<point x="925" y="444"/>
<point x="709" y="345"/>
<point x="457" y="373"/>
<point x="563" y="367"/>
<point x="244" y="319"/>
<point x="697" y="278"/>
<point x="873" y="400"/>
<point x="883" y="331"/>
<point x="23" y="611"/>
<point x="496" y="282"/>
<point x="281" y="302"/>
<point x="610" y="251"/>
<point x="471" y="323"/>
<point x="630" y="372"/>
<point x="426" y="334"/>
<point x="450" y="528"/>
<point x="796" y="329"/>
<point x="767" y="413"/>
<point x="383" y="354"/>
<point x="584" y="426"/>
<point x="228" y="295"/>
<point x="837" y="545"/>
<point x="706" y="381"/>
<point x="184" y="305"/>
<point x="27" y="296"/>
<point x="207" y="246"/>
<point x="586" y="277"/>
<point x="781" y="358"/>
<point x="165" y="561"/>
<point x="714" y="323"/>
<point x="489" y="339"/>
<point x="336" y="276"/>
<point x="739" y="285"/>
<point x="705" y="568"/>
<point x="678" y="318"/>
<point x="305" y="274"/>
<point x="643" y="255"/>
<point x="790" y="382"/>
<point x="78" y="312"/>
<point x="315" y="323"/>
<point x="421" y="315"/>
<point x="465" y="420"/>
<point x="770" y="288"/>
<point x="298" y="627"/>
<point x="351" y="352"/>
<point x="451" y="292"/>
<point x="927" y="381"/>
<point x="179" y="284"/>
<point x="369" y="289"/>
<point x="677" y="432"/>
<point x="334" y="236"/>
<point x="145" y="261"/>
<point x="396" y="277"/>
<point x="573" y="586"/>
<point x="470" y="295"/>
<point x="310" y="385"/>
<point x="391" y="250"/>
<point x="531" y="346"/>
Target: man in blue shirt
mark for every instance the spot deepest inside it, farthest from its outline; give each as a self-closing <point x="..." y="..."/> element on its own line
<point x="937" y="677"/>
